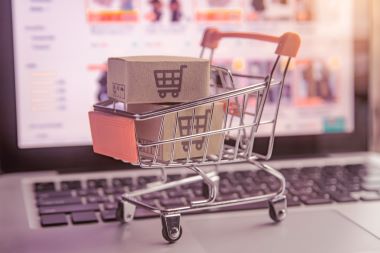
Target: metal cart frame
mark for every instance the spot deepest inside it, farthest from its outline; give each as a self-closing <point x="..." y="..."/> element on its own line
<point x="236" y="101"/>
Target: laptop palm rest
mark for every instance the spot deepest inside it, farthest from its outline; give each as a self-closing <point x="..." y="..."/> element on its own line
<point x="302" y="231"/>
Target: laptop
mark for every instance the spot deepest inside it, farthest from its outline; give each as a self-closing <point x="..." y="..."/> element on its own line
<point x="58" y="196"/>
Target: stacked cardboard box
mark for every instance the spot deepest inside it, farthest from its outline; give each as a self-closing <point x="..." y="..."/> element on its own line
<point x="142" y="82"/>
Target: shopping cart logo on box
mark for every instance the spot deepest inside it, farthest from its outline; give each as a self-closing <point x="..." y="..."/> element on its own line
<point x="118" y="90"/>
<point x="169" y="81"/>
<point x="149" y="151"/>
<point x="185" y="126"/>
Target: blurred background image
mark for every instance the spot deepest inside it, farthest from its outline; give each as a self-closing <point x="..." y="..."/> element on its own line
<point x="61" y="50"/>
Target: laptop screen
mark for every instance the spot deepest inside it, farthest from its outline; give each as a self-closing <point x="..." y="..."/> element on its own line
<point x="61" y="49"/>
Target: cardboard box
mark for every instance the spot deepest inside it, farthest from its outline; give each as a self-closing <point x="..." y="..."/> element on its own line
<point x="157" y="79"/>
<point x="113" y="136"/>
<point x="148" y="131"/>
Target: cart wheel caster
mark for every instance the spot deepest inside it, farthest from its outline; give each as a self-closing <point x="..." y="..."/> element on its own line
<point x="125" y="211"/>
<point x="172" y="239"/>
<point x="175" y="94"/>
<point x="278" y="208"/>
<point x="162" y="94"/>
<point x="171" y="228"/>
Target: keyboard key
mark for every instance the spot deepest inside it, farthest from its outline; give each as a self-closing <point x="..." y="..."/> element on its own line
<point x="110" y="205"/>
<point x="143" y="180"/>
<point x="71" y="185"/>
<point x="227" y="197"/>
<point x="343" y="197"/>
<point x="97" y="199"/>
<point x="83" y="217"/>
<point x="96" y="183"/>
<point x="315" y="200"/>
<point x="116" y="190"/>
<point x="174" y="177"/>
<point x="87" y="192"/>
<point x="152" y="195"/>
<point x="171" y="203"/>
<point x="68" y="209"/>
<point x="122" y="181"/>
<point x="142" y="213"/>
<point x="176" y="193"/>
<point x="108" y="215"/>
<point x="55" y="194"/>
<point x="44" y="187"/>
<point x="53" y="220"/>
<point x="58" y="201"/>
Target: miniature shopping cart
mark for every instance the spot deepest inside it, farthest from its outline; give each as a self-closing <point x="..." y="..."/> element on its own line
<point x="243" y="119"/>
<point x="185" y="123"/>
<point x="169" y="81"/>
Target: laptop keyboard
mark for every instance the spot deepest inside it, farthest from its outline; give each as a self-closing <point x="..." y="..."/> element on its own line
<point x="95" y="200"/>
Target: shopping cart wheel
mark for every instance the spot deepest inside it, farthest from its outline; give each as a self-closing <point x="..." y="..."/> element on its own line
<point x="175" y="94"/>
<point x="162" y="94"/>
<point x="171" y="228"/>
<point x="278" y="208"/>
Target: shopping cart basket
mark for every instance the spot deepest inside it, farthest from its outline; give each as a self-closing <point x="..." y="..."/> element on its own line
<point x="169" y="81"/>
<point x="243" y="118"/>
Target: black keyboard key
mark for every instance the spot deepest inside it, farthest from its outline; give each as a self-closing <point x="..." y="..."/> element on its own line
<point x="57" y="194"/>
<point x="71" y="185"/>
<point x="108" y="215"/>
<point x="174" y="177"/>
<point x="152" y="195"/>
<point x="97" y="199"/>
<point x="293" y="201"/>
<point x="227" y="197"/>
<point x="83" y="217"/>
<point x="44" y="187"/>
<point x="116" y="190"/>
<point x="142" y="213"/>
<point x="171" y="203"/>
<point x="176" y="193"/>
<point x="87" y="192"/>
<point x="110" y="205"/>
<point x="316" y="200"/>
<point x="143" y="180"/>
<point x="96" y="183"/>
<point x="53" y="220"/>
<point x="68" y="209"/>
<point x="343" y="197"/>
<point x="122" y="181"/>
<point x="58" y="201"/>
<point x="239" y="207"/>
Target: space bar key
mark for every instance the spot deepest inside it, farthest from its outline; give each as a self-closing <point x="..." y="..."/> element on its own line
<point x="68" y="209"/>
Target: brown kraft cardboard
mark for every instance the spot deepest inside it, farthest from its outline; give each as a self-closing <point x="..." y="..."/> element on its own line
<point x="157" y="79"/>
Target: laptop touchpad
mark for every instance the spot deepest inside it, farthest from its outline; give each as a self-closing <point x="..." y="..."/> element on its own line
<point x="310" y="231"/>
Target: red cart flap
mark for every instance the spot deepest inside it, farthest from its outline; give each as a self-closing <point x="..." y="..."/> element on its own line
<point x="114" y="136"/>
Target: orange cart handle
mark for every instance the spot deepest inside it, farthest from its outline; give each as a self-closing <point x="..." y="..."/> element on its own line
<point x="287" y="44"/>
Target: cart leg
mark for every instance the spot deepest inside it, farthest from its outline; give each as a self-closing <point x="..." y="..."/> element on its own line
<point x="278" y="208"/>
<point x="125" y="211"/>
<point x="171" y="227"/>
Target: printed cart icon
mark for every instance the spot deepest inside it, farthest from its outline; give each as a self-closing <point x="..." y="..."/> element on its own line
<point x="169" y="81"/>
<point x="200" y="122"/>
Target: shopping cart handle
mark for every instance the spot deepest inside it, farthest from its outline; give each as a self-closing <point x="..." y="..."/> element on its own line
<point x="288" y="43"/>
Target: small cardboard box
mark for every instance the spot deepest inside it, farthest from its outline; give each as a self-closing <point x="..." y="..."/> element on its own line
<point x="148" y="131"/>
<point x="157" y="79"/>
